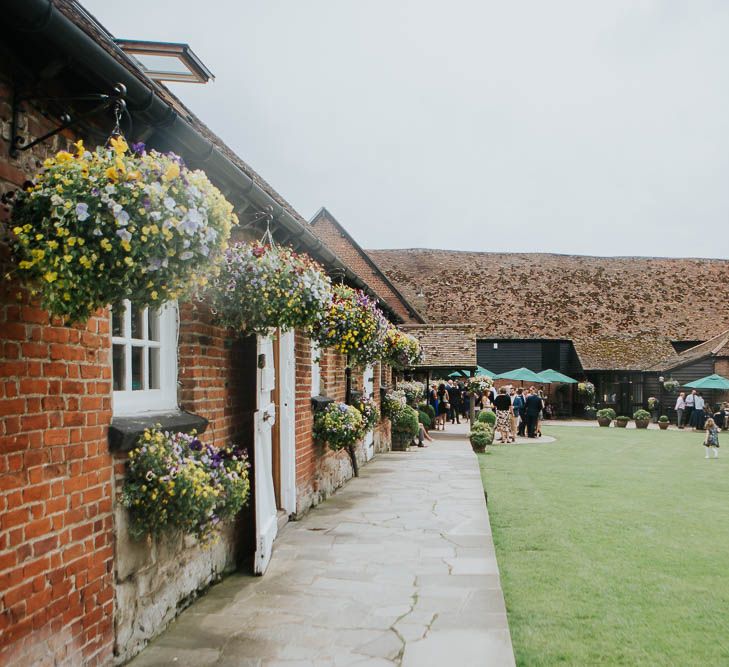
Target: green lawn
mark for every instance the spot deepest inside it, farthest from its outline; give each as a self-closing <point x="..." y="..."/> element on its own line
<point x="613" y="547"/>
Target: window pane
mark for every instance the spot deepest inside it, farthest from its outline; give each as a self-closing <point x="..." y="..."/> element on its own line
<point x="137" y="368"/>
<point x="153" y="328"/>
<point x="154" y="368"/>
<point x="117" y="321"/>
<point x="117" y="361"/>
<point x="137" y="322"/>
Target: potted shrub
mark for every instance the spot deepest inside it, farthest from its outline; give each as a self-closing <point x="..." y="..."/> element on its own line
<point x="487" y="417"/>
<point x="605" y="416"/>
<point x="481" y="435"/>
<point x="95" y="228"/>
<point x="404" y="428"/>
<point x="425" y="420"/>
<point x="642" y="418"/>
<point x="622" y="421"/>
<point x="663" y="422"/>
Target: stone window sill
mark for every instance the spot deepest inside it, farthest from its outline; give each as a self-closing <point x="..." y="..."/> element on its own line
<point x="320" y="402"/>
<point x="124" y="432"/>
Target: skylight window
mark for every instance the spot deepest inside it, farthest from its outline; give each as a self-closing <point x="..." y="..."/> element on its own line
<point x="167" y="61"/>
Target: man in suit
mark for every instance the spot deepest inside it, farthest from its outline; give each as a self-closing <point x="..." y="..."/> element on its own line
<point x="532" y="409"/>
<point x="519" y="404"/>
<point x="456" y="395"/>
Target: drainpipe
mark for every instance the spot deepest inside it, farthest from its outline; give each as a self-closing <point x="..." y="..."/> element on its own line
<point x="44" y="22"/>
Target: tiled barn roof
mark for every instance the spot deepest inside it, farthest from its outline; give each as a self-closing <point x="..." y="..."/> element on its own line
<point x="621" y="311"/>
<point x="445" y="345"/>
<point x="621" y="352"/>
<point x="718" y="346"/>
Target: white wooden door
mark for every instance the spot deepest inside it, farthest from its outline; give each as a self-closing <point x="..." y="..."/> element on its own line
<point x="265" y="497"/>
<point x="287" y="420"/>
<point x="368" y="386"/>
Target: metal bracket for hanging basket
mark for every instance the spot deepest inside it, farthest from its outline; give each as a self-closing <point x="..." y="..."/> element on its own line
<point x="114" y="101"/>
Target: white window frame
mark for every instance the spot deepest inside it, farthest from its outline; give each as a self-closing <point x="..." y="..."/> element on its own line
<point x="315" y="369"/>
<point x="132" y="402"/>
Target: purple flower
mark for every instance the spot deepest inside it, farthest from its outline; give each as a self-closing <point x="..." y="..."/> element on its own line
<point x="139" y="148"/>
<point x="196" y="445"/>
<point x="82" y="211"/>
<point x="123" y="234"/>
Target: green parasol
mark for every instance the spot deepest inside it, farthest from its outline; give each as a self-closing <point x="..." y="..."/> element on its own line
<point x="555" y="377"/>
<point x="713" y="381"/>
<point x="521" y="374"/>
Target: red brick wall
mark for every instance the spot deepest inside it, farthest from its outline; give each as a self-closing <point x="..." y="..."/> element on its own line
<point x="56" y="533"/>
<point x="330" y="233"/>
<point x="319" y="470"/>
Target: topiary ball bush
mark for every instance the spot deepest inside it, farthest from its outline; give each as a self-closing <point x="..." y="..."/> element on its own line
<point x="481" y="435"/>
<point x="487" y="417"/>
<point x="428" y="409"/>
<point x="405" y="422"/>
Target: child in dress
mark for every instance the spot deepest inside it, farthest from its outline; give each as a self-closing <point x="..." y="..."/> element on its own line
<point x="711" y="441"/>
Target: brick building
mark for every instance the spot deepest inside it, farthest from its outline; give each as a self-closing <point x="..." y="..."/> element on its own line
<point x="74" y="588"/>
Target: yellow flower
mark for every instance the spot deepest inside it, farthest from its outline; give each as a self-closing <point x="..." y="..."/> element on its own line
<point x="111" y="174"/>
<point x="48" y="162"/>
<point x="125" y="244"/>
<point x="154" y="295"/>
<point x="63" y="156"/>
<point x="173" y="171"/>
<point x="50" y="276"/>
<point x="105" y="244"/>
<point x="120" y="165"/>
<point x="119" y="145"/>
<point x="80" y="150"/>
<point x="68" y="258"/>
<point x="72" y="241"/>
<point x="128" y="261"/>
<point x="38" y="237"/>
<point x="66" y="296"/>
<point x="25" y="264"/>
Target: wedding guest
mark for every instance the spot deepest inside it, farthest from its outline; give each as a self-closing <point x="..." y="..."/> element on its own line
<point x="679" y="408"/>
<point x="502" y="403"/>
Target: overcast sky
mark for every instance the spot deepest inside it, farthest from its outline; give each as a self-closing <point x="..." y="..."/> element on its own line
<point x="589" y="126"/>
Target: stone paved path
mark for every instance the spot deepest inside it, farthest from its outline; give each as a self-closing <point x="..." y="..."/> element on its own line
<point x="398" y="568"/>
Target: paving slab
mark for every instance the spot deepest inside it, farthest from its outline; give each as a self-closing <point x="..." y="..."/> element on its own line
<point x="397" y="568"/>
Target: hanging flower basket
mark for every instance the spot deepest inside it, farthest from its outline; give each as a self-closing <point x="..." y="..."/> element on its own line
<point x="401" y="349"/>
<point x="262" y="287"/>
<point x="175" y="482"/>
<point x="339" y="425"/>
<point x="480" y="384"/>
<point x="369" y="411"/>
<point x="587" y="391"/>
<point x="98" y="227"/>
<point x="671" y="385"/>
<point x="414" y="391"/>
<point x="353" y="325"/>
